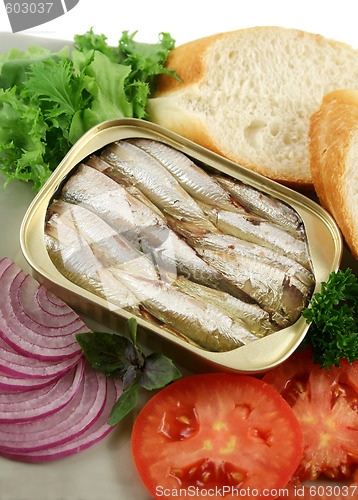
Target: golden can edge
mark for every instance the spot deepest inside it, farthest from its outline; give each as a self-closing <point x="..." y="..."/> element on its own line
<point x="258" y="357"/>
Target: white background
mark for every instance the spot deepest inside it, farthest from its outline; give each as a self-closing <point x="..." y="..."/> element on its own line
<point x="106" y="472"/>
<point x="189" y="19"/>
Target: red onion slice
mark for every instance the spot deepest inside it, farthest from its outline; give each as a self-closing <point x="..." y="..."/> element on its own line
<point x="37" y="403"/>
<point x="92" y="435"/>
<point x="15" y="338"/>
<point x="52" y="403"/>
<point x="23" y="296"/>
<point x="67" y="423"/>
<point x="17" y="365"/>
<point x="16" y="284"/>
<point x="51" y="303"/>
<point x="14" y="384"/>
<point x="40" y="341"/>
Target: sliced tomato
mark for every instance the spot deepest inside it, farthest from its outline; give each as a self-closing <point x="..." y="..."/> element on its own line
<point x="211" y="435"/>
<point x="325" y="403"/>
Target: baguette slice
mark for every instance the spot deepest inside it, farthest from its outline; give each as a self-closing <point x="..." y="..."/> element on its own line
<point x="248" y="95"/>
<point x="334" y="160"/>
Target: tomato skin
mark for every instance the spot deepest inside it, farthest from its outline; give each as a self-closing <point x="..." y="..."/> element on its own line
<point x="211" y="434"/>
<point x="325" y="403"/>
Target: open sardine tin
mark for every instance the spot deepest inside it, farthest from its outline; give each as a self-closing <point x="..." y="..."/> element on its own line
<point x="323" y="237"/>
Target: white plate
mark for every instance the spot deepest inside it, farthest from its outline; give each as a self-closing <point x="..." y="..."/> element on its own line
<point x="106" y="470"/>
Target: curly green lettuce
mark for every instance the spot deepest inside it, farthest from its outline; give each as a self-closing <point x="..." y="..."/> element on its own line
<point x="49" y="99"/>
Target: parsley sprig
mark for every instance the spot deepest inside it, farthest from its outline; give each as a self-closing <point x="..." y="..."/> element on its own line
<point x="117" y="355"/>
<point x="333" y="313"/>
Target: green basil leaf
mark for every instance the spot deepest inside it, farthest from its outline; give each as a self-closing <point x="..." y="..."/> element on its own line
<point x="158" y="371"/>
<point x="124" y="404"/>
<point x="108" y="353"/>
<point x="129" y="377"/>
<point x="132" y="328"/>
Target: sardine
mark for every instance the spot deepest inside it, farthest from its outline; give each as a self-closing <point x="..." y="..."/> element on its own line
<point x="252" y="316"/>
<point x="241" y="263"/>
<point x="99" y="164"/>
<point x="102" y="195"/>
<point x="266" y="206"/>
<point x="232" y="244"/>
<point x="74" y="258"/>
<point x="180" y="246"/>
<point x="200" y="321"/>
<point x="108" y="246"/>
<point x="198" y="183"/>
<point x="142" y="227"/>
<point x="132" y="164"/>
<point x="268" y="286"/>
<point x="258" y="230"/>
<point x="94" y="267"/>
<point x="90" y="248"/>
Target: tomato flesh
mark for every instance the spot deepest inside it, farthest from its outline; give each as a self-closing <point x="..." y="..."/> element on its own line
<point x="216" y="432"/>
<point x="208" y="474"/>
<point x="179" y="423"/>
<point x="325" y="403"/>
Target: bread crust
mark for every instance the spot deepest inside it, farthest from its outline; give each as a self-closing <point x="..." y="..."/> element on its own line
<point x="188" y="60"/>
<point x="332" y="129"/>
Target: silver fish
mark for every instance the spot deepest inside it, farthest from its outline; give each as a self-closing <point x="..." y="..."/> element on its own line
<point x="264" y="205"/>
<point x="99" y="164"/>
<point x="74" y="258"/>
<point x="132" y="164"/>
<point x="241" y="262"/>
<point x="258" y="230"/>
<point x="198" y="183"/>
<point x="70" y="241"/>
<point x="267" y="285"/>
<point x="141" y="226"/>
<point x="102" y="195"/>
<point x="200" y="321"/>
<point x="252" y="316"/>
<point x="232" y="244"/>
<point x="108" y="246"/>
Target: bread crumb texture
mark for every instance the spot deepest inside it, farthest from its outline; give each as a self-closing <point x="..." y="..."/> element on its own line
<point x="253" y="94"/>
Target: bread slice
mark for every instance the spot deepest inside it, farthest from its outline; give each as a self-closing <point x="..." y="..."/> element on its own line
<point x="248" y="95"/>
<point x="334" y="160"/>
